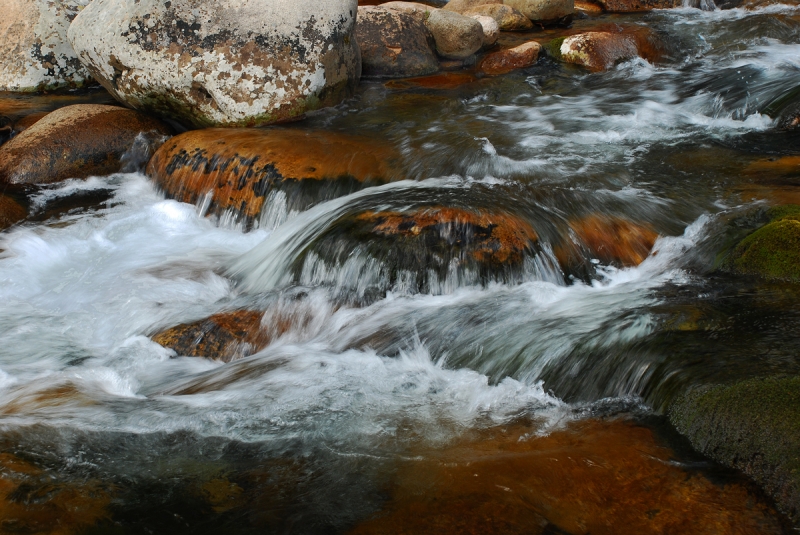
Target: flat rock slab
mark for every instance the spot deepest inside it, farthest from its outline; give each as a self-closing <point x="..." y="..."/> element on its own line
<point x="74" y="142"/>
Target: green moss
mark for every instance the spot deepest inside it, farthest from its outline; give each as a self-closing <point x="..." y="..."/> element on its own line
<point x="553" y="48"/>
<point x="787" y="211"/>
<point x="773" y="251"/>
<point x="753" y="426"/>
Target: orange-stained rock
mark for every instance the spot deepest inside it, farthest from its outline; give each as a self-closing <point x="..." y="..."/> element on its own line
<point x="598" y="51"/>
<point x="611" y="240"/>
<point x="32" y="502"/>
<point x="241" y="167"/>
<point x="510" y="59"/>
<point x="73" y="142"/>
<point x="224" y="336"/>
<point x="498" y="239"/>
<point x="594" y="477"/>
<point x="786" y="165"/>
<point x="11" y="212"/>
<point x="447" y="80"/>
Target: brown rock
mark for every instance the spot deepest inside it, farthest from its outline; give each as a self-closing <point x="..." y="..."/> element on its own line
<point x="589" y="8"/>
<point x="543" y="11"/>
<point x="456" y="36"/>
<point x="510" y="59"/>
<point x="491" y="239"/>
<point x="598" y="51"/>
<point x="446" y="80"/>
<point x="592" y="477"/>
<point x="224" y="336"/>
<point x="241" y="167"/>
<point x="394" y="44"/>
<point x="73" y="142"/>
<point x="508" y="19"/>
<point x="11" y="212"/>
<point x="460" y="6"/>
<point x="628" y="6"/>
<point x="29" y="120"/>
<point x="612" y="240"/>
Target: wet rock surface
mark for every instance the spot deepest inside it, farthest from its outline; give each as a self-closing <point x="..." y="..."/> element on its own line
<point x="598" y="51"/>
<point x="73" y="142"/>
<point x="629" y="6"/>
<point x="240" y="168"/>
<point x="225" y="336"/>
<point x="513" y="481"/>
<point x="11" y="212"/>
<point x="230" y="63"/>
<point x="505" y="61"/>
<point x="33" y="45"/>
<point x="394" y="43"/>
<point x="611" y="240"/>
<point x="753" y="426"/>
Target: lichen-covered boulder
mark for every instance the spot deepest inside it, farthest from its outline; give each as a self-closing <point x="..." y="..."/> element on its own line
<point x="226" y="62"/>
<point x="395" y="43"/>
<point x="543" y="10"/>
<point x="74" y="142"/>
<point x="35" y="53"/>
<point x="753" y="426"/>
<point x="508" y="19"/>
<point x="504" y="61"/>
<point x="235" y="170"/>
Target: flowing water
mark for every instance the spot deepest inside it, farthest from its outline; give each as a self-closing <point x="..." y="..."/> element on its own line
<point x="384" y="377"/>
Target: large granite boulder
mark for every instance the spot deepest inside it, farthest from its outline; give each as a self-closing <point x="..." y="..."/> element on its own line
<point x="507" y="18"/>
<point x="226" y="62"/>
<point x="543" y="10"/>
<point x="456" y="36"/>
<point x="34" y="48"/>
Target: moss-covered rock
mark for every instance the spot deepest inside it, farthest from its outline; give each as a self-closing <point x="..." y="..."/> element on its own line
<point x="753" y="426"/>
<point x="773" y="251"/>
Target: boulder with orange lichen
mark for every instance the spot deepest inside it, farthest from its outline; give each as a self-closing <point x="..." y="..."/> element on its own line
<point x="225" y="336"/>
<point x="235" y="170"/>
<point x="424" y="250"/>
<point x="608" y="44"/>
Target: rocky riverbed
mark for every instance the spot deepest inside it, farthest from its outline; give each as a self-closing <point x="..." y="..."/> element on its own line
<point x="478" y="266"/>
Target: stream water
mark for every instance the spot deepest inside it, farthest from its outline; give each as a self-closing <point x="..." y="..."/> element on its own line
<point x="378" y="383"/>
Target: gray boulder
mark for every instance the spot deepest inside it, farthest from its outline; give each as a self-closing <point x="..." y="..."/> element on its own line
<point x="543" y="10"/>
<point x="33" y="46"/>
<point x="456" y="36"/>
<point x="221" y="62"/>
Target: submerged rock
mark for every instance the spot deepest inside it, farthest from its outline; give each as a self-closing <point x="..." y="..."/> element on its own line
<point x="73" y="142"/>
<point x="425" y="250"/>
<point x="11" y="212"/>
<point x="456" y="36"/>
<point x="773" y="251"/>
<point x="543" y="10"/>
<point x="611" y="240"/>
<point x="508" y="19"/>
<point x="505" y="61"/>
<point x="394" y="43"/>
<point x="36" y="55"/>
<point x="227" y="63"/>
<point x="224" y="336"/>
<point x="235" y="170"/>
<point x="595" y="477"/>
<point x="753" y="426"/>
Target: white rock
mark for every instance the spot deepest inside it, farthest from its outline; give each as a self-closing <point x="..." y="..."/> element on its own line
<point x="34" y="51"/>
<point x="221" y="62"/>
<point x="491" y="30"/>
